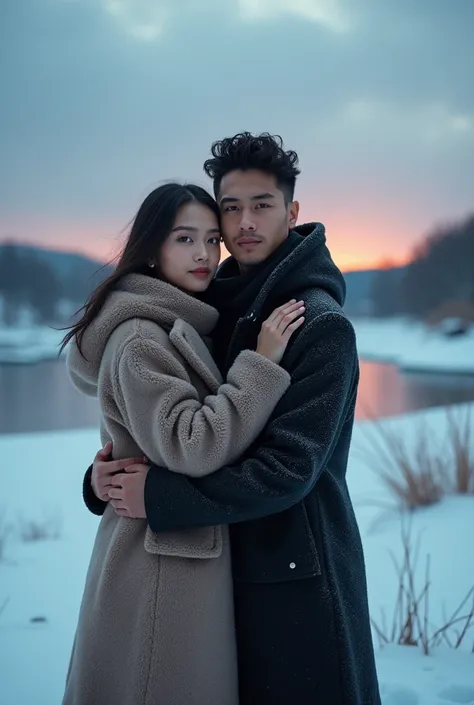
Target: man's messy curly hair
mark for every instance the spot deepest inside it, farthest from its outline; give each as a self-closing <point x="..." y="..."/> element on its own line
<point x="263" y="152"/>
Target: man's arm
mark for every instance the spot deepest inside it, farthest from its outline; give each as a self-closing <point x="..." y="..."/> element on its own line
<point x="291" y="453"/>
<point x="93" y="503"/>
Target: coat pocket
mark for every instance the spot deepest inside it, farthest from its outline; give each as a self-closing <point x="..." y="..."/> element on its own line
<point x="201" y="542"/>
<point x="276" y="548"/>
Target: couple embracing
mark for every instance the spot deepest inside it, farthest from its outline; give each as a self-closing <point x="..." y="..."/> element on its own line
<point x="228" y="566"/>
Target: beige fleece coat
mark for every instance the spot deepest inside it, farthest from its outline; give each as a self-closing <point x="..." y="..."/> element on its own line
<point x="156" y="621"/>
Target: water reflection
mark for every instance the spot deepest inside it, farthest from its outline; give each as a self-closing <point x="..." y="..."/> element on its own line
<point x="41" y="398"/>
<point x="384" y="391"/>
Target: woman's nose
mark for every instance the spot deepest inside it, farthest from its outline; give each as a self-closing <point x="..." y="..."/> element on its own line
<point x="201" y="255"/>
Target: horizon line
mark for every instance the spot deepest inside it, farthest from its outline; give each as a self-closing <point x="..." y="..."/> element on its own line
<point x="380" y="264"/>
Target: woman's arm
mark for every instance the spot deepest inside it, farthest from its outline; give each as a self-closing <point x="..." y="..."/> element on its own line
<point x="162" y="411"/>
<point x="291" y="454"/>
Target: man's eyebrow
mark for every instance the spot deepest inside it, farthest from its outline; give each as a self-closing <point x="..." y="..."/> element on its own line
<point x="262" y="196"/>
<point x="228" y="199"/>
<point x="258" y="197"/>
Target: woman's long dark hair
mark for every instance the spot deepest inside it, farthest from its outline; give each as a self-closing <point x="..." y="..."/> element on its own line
<point x="152" y="225"/>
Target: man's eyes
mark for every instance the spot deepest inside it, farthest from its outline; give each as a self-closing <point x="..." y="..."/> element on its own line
<point x="234" y="208"/>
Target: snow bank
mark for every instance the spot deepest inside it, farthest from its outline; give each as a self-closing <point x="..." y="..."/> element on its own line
<point x="28" y="344"/>
<point x="414" y="347"/>
<point x="42" y="475"/>
<point x="409" y="345"/>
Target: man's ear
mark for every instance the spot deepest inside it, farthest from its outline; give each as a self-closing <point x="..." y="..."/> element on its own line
<point x="293" y="212"/>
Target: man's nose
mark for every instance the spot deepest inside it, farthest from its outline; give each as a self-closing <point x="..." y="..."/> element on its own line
<point x="247" y="223"/>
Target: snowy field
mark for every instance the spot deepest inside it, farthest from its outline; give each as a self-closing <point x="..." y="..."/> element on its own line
<point x="28" y="344"/>
<point x="409" y="345"/>
<point x="43" y="581"/>
<point x="414" y="347"/>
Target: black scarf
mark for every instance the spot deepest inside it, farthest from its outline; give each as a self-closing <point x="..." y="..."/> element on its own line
<point x="233" y="294"/>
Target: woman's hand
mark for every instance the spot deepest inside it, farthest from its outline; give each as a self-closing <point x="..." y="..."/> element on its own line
<point x="278" y="328"/>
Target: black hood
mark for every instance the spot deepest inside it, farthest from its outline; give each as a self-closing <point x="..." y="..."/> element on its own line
<point x="302" y="262"/>
<point x="308" y="265"/>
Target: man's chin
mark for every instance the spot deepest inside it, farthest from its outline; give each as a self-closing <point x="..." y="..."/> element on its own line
<point x="246" y="263"/>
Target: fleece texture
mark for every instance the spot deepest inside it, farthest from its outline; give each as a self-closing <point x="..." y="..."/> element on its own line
<point x="156" y="624"/>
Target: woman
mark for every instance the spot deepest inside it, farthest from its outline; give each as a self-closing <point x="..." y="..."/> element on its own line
<point x="156" y="620"/>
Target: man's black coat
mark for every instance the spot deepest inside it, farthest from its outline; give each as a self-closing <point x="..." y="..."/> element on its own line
<point x="299" y="577"/>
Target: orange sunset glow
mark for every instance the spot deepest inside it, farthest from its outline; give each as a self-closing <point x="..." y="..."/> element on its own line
<point x="353" y="244"/>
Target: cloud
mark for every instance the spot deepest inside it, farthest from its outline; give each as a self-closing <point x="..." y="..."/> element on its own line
<point x="328" y="13"/>
<point x="431" y="122"/>
<point x="103" y="99"/>
<point x="146" y="20"/>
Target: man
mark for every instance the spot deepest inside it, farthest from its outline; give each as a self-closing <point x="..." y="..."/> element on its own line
<point x="302" y="619"/>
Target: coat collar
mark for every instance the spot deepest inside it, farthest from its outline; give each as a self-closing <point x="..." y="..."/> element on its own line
<point x="139" y="296"/>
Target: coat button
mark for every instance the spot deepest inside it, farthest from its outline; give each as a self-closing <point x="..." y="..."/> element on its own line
<point x="292" y="566"/>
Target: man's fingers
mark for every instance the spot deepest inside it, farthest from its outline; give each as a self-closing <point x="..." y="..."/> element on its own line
<point x="104" y="493"/>
<point x="104" y="452"/>
<point x="123" y="513"/>
<point x="112" y="467"/>
<point x="115" y="494"/>
<point x="138" y="467"/>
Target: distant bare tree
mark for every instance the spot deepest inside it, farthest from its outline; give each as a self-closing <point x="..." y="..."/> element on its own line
<point x="44" y="290"/>
<point x="442" y="269"/>
<point x="26" y="280"/>
<point x="385" y="291"/>
<point x="11" y="286"/>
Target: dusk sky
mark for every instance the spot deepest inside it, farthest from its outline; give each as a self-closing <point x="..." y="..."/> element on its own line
<point x="101" y="100"/>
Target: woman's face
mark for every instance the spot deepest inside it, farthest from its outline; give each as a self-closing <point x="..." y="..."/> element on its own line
<point x="191" y="252"/>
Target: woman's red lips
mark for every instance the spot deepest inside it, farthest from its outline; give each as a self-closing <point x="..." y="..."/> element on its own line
<point x="201" y="271"/>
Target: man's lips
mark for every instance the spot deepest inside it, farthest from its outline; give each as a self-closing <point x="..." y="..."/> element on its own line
<point x="248" y="242"/>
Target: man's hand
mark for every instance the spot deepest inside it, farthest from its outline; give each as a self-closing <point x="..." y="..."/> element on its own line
<point x="103" y="471"/>
<point x="127" y="494"/>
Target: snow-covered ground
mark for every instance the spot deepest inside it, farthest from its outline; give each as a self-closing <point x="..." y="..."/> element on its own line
<point x="43" y="581"/>
<point x="414" y="347"/>
<point x="27" y="344"/>
<point x="411" y="346"/>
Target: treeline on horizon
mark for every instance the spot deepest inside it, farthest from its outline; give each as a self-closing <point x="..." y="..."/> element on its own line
<point x="28" y="281"/>
<point x="437" y="283"/>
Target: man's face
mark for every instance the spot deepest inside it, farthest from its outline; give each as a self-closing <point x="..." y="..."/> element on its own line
<point x="255" y="217"/>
